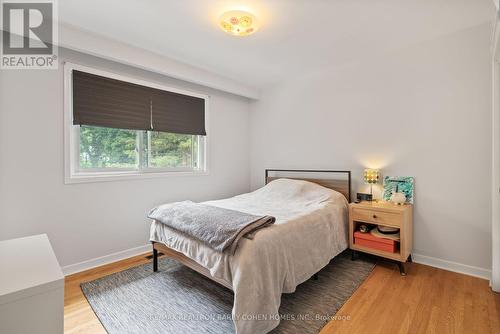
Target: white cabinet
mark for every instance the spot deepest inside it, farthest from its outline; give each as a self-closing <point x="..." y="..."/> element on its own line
<point x="31" y="287"/>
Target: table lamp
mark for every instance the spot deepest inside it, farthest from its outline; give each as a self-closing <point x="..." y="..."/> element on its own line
<point x="371" y="177"/>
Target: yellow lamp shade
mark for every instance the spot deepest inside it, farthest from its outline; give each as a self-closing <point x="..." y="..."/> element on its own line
<point x="371" y="176"/>
<point x="238" y="23"/>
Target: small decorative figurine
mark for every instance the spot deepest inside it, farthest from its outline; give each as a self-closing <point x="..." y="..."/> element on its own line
<point x="398" y="198"/>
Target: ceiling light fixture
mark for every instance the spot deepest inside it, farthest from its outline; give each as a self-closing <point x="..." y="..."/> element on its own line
<point x="238" y="23"/>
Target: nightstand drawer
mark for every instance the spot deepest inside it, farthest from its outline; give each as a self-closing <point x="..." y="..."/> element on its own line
<point x="377" y="217"/>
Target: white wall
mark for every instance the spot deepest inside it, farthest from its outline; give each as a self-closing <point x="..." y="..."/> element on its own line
<point x="424" y="111"/>
<point x="85" y="221"/>
<point x="496" y="3"/>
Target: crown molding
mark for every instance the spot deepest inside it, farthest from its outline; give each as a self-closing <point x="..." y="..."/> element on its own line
<point x="74" y="38"/>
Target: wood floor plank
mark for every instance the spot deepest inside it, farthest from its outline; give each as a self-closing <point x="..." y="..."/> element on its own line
<point x="427" y="300"/>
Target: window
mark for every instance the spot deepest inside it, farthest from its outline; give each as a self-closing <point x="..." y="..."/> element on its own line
<point x="119" y="128"/>
<point x="104" y="149"/>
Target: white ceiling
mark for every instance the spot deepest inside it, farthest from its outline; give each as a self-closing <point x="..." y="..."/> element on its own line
<point x="295" y="36"/>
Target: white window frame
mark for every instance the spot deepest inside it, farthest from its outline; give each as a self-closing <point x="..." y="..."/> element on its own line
<point x="72" y="171"/>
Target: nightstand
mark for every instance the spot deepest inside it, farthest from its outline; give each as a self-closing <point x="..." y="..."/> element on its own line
<point x="385" y="214"/>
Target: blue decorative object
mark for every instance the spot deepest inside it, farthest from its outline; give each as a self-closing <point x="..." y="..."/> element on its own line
<point x="404" y="184"/>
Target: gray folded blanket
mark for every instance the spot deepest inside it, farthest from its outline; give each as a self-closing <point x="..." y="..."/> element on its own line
<point x="220" y="229"/>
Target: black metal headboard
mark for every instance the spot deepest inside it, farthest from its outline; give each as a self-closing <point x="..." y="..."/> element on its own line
<point x="342" y="186"/>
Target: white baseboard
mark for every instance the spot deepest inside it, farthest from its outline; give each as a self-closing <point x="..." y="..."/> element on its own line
<point x="422" y="259"/>
<point x="452" y="266"/>
<point x="99" y="261"/>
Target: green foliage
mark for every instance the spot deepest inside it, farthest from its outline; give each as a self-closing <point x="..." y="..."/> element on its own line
<point x="170" y="150"/>
<point x="117" y="148"/>
<point x="106" y="147"/>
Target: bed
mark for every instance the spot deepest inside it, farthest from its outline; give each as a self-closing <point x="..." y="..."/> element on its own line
<point x="311" y="210"/>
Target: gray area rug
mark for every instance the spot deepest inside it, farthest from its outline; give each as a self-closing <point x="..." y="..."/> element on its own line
<point x="178" y="300"/>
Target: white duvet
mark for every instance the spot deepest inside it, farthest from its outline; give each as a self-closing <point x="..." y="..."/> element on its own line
<point x="310" y="229"/>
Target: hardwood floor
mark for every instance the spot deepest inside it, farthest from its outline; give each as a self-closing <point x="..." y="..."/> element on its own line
<point x="427" y="300"/>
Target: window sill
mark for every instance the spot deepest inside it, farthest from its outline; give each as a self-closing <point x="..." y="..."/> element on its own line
<point x="121" y="176"/>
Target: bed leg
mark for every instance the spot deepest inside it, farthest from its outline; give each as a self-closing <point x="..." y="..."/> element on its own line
<point x="155" y="259"/>
<point x="315" y="277"/>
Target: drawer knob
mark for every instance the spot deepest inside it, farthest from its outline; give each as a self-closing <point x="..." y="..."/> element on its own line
<point x="374" y="216"/>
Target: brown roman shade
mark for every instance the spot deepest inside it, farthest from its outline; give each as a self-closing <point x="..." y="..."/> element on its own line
<point x="178" y="113"/>
<point x="101" y="101"/>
